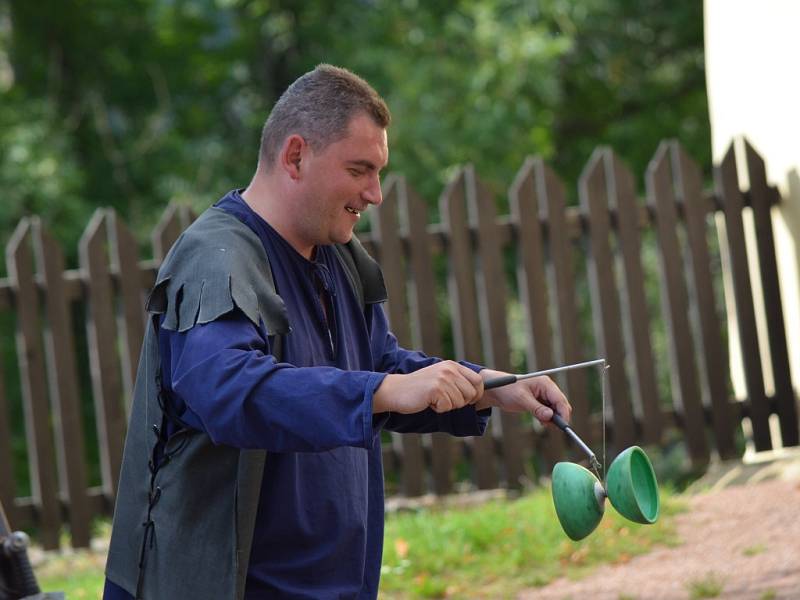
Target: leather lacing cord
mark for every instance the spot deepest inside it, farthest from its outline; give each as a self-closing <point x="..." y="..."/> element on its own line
<point x="159" y="458"/>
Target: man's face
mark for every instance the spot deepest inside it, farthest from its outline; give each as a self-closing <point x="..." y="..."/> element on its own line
<point x="341" y="181"/>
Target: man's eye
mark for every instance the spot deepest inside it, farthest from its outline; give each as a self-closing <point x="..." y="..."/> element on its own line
<point x="355" y="172"/>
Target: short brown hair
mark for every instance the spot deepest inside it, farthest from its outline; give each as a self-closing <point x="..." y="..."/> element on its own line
<point x="318" y="106"/>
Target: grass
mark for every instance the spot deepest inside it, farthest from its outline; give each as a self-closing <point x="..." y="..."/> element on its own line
<point x="77" y="573"/>
<point x="496" y="549"/>
<point x="79" y="576"/>
<point x="709" y="586"/>
<point x="488" y="551"/>
<point x="754" y="550"/>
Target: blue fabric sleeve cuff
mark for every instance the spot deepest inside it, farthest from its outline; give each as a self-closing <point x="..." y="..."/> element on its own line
<point x="466" y="421"/>
<point x="473" y="366"/>
<point x="371" y="432"/>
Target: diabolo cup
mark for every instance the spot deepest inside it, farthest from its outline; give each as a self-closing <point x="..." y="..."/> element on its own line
<point x="579" y="499"/>
<point x="631" y="486"/>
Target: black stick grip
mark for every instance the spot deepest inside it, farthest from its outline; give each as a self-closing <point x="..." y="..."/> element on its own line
<point x="559" y="421"/>
<point x="564" y="426"/>
<point x="497" y="382"/>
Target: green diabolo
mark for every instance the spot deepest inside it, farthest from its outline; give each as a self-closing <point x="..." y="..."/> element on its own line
<point x="579" y="497"/>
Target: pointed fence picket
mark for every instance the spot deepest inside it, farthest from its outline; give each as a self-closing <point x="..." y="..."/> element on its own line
<point x="493" y="303"/>
<point x="727" y="187"/>
<point x="63" y="380"/>
<point x="30" y="353"/>
<point x="531" y="274"/>
<point x="101" y="330"/>
<point x="558" y="226"/>
<point x="124" y="264"/>
<point x="463" y="297"/>
<point x="711" y="355"/>
<point x="686" y="391"/>
<point x="761" y="201"/>
<point x="476" y="265"/>
<point x="386" y="233"/>
<point x="605" y="297"/>
<point x="624" y="209"/>
<point x="424" y="315"/>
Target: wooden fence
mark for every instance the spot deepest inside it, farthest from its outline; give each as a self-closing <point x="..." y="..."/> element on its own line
<point x="544" y="285"/>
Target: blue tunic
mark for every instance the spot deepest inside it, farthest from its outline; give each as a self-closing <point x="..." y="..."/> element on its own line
<point x="319" y="527"/>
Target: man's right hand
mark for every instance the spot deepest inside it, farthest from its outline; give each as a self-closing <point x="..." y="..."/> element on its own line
<point x="443" y="386"/>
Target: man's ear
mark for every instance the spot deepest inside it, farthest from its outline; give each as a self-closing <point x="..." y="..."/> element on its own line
<point x="292" y="153"/>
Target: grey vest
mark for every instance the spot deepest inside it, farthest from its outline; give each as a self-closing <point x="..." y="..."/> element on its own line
<point x="183" y="528"/>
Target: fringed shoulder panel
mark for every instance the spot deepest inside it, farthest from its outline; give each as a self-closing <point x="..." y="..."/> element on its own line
<point x="217" y="264"/>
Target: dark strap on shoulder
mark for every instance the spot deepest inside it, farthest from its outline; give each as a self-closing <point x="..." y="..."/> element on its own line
<point x="363" y="271"/>
<point x="352" y="272"/>
<point x="276" y="347"/>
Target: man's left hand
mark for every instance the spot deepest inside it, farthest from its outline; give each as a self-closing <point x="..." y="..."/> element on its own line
<point x="539" y="396"/>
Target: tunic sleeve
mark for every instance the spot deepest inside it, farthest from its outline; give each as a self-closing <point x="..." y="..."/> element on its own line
<point x="392" y="358"/>
<point x="223" y="380"/>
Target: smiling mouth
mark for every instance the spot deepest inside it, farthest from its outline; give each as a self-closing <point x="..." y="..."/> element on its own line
<point x="352" y="211"/>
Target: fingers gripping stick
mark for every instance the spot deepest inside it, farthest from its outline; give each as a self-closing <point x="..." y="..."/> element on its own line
<point x="497" y="382"/>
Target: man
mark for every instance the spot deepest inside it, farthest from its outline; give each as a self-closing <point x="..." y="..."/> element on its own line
<point x="252" y="466"/>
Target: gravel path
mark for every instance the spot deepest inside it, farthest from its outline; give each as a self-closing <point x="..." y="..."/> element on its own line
<point x="738" y="542"/>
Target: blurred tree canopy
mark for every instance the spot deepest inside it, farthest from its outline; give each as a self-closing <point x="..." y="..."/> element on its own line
<point x="131" y="104"/>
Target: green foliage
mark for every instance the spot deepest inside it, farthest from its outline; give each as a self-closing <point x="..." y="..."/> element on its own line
<point x="39" y="173"/>
<point x="132" y="104"/>
<point x="635" y="76"/>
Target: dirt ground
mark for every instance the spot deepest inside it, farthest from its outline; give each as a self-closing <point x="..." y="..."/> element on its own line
<point x="740" y="539"/>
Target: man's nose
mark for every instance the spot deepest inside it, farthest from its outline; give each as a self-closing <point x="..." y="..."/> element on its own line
<point x="373" y="194"/>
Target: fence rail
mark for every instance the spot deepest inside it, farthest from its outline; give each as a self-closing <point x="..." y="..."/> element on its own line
<point x="637" y="282"/>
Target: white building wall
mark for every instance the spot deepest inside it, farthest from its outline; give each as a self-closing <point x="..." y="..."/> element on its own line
<point x="753" y="78"/>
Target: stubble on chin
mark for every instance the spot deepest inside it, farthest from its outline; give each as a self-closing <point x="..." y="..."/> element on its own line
<point x="342" y="237"/>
